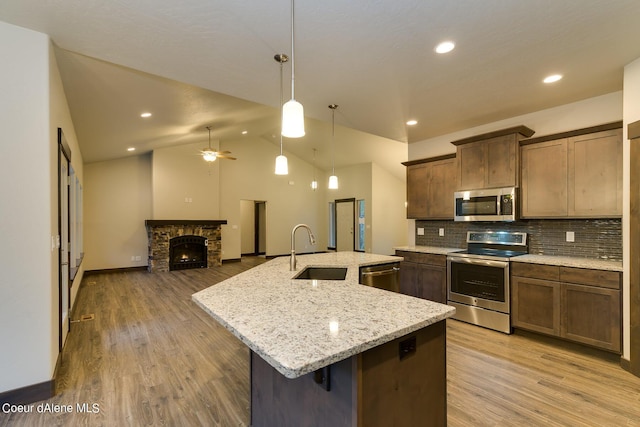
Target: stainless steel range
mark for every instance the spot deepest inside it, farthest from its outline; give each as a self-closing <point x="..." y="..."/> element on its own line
<point x="478" y="278"/>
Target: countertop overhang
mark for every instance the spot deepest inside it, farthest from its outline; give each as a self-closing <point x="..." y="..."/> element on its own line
<point x="299" y="326"/>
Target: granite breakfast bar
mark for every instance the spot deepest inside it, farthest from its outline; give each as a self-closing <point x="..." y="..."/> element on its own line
<point x="334" y="352"/>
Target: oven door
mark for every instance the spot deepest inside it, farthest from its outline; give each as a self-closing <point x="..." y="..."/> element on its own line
<point x="478" y="282"/>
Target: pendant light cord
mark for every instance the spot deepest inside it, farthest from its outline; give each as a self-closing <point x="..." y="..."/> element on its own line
<point x="293" y="61"/>
<point x="281" y="101"/>
<point x="333" y="137"/>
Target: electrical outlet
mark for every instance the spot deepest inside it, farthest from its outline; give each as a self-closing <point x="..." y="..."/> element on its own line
<point x="133" y="257"/>
<point x="138" y="258"/>
<point x="441" y="232"/>
<point x="571" y="236"/>
<point x="420" y="231"/>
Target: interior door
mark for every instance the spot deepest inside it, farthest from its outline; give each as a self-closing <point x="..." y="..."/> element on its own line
<point x="64" y="157"/>
<point x="345" y="224"/>
<point x="261" y="228"/>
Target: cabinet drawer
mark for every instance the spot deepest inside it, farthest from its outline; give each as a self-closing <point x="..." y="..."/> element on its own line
<point x="422" y="258"/>
<point x="536" y="271"/>
<point x="599" y="278"/>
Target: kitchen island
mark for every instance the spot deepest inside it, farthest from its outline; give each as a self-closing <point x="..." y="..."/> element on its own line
<point x="333" y="352"/>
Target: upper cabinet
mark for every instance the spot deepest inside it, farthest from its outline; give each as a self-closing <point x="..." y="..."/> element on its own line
<point x="430" y="187"/>
<point x="490" y="160"/>
<point x="576" y="174"/>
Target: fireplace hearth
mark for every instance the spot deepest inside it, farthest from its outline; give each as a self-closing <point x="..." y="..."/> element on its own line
<point x="183" y="244"/>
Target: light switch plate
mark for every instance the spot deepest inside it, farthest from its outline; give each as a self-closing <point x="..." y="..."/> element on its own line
<point x="441" y="232"/>
<point x="571" y="236"/>
<point x="420" y="231"/>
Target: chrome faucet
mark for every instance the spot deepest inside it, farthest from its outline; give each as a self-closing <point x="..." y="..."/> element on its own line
<point x="312" y="240"/>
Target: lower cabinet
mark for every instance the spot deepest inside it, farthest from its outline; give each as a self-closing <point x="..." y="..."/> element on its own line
<point x="424" y="275"/>
<point x="580" y="305"/>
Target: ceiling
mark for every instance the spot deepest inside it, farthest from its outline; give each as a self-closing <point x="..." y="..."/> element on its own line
<point x="195" y="63"/>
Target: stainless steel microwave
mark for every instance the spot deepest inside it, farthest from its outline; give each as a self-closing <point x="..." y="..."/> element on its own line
<point x="492" y="204"/>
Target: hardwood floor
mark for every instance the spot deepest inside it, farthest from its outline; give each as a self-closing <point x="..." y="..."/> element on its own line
<point x="152" y="357"/>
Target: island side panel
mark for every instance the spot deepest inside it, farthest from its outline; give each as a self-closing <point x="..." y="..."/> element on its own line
<point x="411" y="391"/>
<point x="277" y="401"/>
<point x="375" y="388"/>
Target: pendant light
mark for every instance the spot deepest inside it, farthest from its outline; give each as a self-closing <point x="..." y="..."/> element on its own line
<point x="333" y="179"/>
<point x="314" y="183"/>
<point x="282" y="167"/>
<point x="292" y="111"/>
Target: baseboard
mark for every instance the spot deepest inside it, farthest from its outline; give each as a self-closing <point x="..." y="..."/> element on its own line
<point x="116" y="270"/>
<point x="224" y="261"/>
<point x="625" y="364"/>
<point x="29" y="394"/>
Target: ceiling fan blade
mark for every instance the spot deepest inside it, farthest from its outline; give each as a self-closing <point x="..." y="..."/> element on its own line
<point x="223" y="156"/>
<point x="224" y="152"/>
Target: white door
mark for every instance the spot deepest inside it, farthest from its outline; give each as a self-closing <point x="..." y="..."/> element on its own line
<point x="63" y="284"/>
<point x="345" y="222"/>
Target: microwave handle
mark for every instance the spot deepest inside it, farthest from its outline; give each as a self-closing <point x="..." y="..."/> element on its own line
<point x="498" y="205"/>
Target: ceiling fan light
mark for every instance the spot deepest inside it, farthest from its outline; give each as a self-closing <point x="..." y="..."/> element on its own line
<point x="292" y="119"/>
<point x="333" y="182"/>
<point x="209" y="156"/>
<point x="282" y="167"/>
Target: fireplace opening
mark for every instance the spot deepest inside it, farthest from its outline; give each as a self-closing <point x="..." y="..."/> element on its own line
<point x="187" y="252"/>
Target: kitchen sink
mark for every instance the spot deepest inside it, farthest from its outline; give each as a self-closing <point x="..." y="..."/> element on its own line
<point x="322" y="273"/>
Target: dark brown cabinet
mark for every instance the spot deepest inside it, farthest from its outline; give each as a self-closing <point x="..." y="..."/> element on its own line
<point x="577" y="304"/>
<point x="577" y="176"/>
<point x="424" y="275"/>
<point x="490" y="160"/>
<point x="430" y="187"/>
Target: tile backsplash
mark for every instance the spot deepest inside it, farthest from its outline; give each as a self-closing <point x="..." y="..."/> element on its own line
<point x="594" y="238"/>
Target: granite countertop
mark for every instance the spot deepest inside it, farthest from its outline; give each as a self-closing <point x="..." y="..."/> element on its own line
<point x="299" y="326"/>
<point x="595" y="264"/>
<point x="428" y="249"/>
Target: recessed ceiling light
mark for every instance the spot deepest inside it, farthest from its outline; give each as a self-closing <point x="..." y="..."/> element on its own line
<point x="131" y="149"/>
<point x="145" y="115"/>
<point x="445" y="47"/>
<point x="244" y="132"/>
<point x="412" y="122"/>
<point x="552" y="78"/>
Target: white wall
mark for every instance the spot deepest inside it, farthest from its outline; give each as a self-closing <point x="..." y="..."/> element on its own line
<point x="389" y="212"/>
<point x="117" y="201"/>
<point x="184" y="185"/>
<point x="589" y="112"/>
<point x="631" y="108"/>
<point x="32" y="107"/>
<point x="289" y="198"/>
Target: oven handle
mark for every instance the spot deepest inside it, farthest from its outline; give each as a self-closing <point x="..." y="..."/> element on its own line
<point x="478" y="261"/>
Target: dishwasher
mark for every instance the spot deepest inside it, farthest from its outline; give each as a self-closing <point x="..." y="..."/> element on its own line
<point x="382" y="276"/>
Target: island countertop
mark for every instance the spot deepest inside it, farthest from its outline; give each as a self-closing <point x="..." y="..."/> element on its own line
<point x="299" y="326"/>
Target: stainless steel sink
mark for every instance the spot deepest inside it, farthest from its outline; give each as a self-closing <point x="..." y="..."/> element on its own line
<point x="322" y="273"/>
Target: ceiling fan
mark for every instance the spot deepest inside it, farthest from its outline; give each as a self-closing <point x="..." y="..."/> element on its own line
<point x="209" y="155"/>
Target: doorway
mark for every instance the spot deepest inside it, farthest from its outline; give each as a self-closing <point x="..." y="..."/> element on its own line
<point x="62" y="239"/>
<point x="253" y="222"/>
<point x="345" y="224"/>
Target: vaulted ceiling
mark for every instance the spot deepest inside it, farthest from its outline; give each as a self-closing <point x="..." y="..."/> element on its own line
<point x="198" y="62"/>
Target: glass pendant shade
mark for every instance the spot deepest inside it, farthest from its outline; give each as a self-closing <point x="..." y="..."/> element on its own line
<point x="282" y="167"/>
<point x="333" y="182"/>
<point x="209" y="156"/>
<point x="292" y="119"/>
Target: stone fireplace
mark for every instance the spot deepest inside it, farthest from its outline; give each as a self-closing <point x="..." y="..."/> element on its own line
<point x="182" y="244"/>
